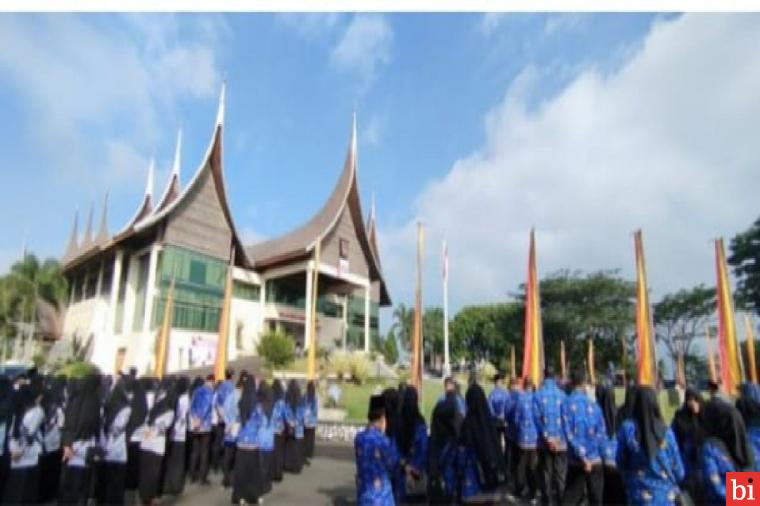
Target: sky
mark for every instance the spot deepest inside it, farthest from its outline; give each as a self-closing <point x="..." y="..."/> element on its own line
<point x="584" y="126"/>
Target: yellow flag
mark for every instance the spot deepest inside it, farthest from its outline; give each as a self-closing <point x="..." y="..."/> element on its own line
<point x="728" y="348"/>
<point x="533" y="350"/>
<point x="750" y="349"/>
<point x="416" y="372"/>
<point x="163" y="336"/>
<point x="644" y="334"/>
<point x="312" y="360"/>
<point x="591" y="367"/>
<point x="220" y="364"/>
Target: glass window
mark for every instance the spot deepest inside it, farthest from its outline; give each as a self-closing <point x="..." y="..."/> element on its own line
<point x="343" y="248"/>
<point x="248" y="291"/>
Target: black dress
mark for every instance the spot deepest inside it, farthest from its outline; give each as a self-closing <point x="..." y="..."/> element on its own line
<point x="174" y="480"/>
<point x="247" y="483"/>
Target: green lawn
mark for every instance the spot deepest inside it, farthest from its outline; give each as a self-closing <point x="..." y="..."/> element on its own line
<point x="356" y="398"/>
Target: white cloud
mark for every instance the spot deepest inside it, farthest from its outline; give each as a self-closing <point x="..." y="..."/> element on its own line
<point x="492" y="21"/>
<point x="666" y="143"/>
<point x="310" y="26"/>
<point x="124" y="76"/>
<point x="364" y="47"/>
<point x="372" y="132"/>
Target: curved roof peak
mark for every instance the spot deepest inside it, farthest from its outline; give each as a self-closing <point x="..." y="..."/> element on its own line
<point x="87" y="239"/>
<point x="173" y="186"/>
<point x="103" y="236"/>
<point x="220" y="108"/>
<point x="151" y="175"/>
<point x="72" y="249"/>
<point x="177" y="154"/>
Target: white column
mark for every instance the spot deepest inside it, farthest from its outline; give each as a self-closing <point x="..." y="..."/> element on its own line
<point x="150" y="293"/>
<point x="366" y="318"/>
<point x="345" y="320"/>
<point x="307" y="337"/>
<point x="104" y="352"/>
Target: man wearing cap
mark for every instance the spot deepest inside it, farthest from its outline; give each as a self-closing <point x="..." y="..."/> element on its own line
<point x="376" y="459"/>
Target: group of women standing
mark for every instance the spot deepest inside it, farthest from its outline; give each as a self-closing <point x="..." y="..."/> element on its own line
<point x="75" y="440"/>
<point x="624" y="455"/>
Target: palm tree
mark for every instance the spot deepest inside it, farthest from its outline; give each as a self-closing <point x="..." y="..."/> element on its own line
<point x="403" y="321"/>
<point x="28" y="283"/>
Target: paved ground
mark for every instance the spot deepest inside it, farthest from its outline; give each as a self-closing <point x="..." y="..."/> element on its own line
<point x="328" y="480"/>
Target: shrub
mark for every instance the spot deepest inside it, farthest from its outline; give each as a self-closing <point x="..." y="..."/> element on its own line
<point x="276" y="348"/>
<point x="390" y="349"/>
<point x="352" y="366"/>
<point x="486" y="371"/>
<point x="78" y="369"/>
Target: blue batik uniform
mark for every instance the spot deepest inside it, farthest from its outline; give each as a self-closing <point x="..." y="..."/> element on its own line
<point x="449" y="462"/>
<point x="510" y="402"/>
<point x="584" y="428"/>
<point x="248" y="437"/>
<point x="715" y="462"/>
<point x="547" y="409"/>
<point x="417" y="458"/>
<point x="468" y="463"/>
<point x="224" y="389"/>
<point x="651" y="481"/>
<point x="311" y="410"/>
<point x="525" y="421"/>
<point x="201" y="409"/>
<point x="294" y="418"/>
<point x="278" y="416"/>
<point x="231" y="417"/>
<point x="496" y="401"/>
<point x="376" y="461"/>
<point x="265" y="432"/>
<point x="753" y="434"/>
<point x="461" y="406"/>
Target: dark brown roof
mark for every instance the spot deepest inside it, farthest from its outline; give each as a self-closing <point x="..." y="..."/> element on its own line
<point x="300" y="242"/>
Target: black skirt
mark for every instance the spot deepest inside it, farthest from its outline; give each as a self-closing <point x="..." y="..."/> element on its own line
<point x="614" y="488"/>
<point x="151" y="475"/>
<point x="293" y="454"/>
<point x="133" y="466"/>
<point x="267" y="461"/>
<point x="174" y="479"/>
<point x="22" y="485"/>
<point x="279" y="457"/>
<point x="246" y="483"/>
<point x="112" y="477"/>
<point x="50" y="470"/>
<point x="308" y="442"/>
<point x="75" y="485"/>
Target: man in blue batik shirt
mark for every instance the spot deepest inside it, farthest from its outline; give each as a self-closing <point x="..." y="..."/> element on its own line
<point x="552" y="444"/>
<point x="223" y="390"/>
<point x="201" y="408"/>
<point x="449" y="385"/>
<point x="376" y="459"/>
<point x="497" y="400"/>
<point x="585" y="432"/>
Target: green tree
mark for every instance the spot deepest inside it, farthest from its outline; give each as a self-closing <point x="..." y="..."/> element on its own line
<point x="390" y="348"/>
<point x="744" y="258"/>
<point x="679" y="317"/>
<point x="276" y="348"/>
<point x="432" y="331"/>
<point x="577" y="307"/>
<point x="486" y="332"/>
<point x="403" y="321"/>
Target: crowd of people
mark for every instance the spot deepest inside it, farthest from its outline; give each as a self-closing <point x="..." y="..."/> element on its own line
<point x="95" y="438"/>
<point x="555" y="443"/>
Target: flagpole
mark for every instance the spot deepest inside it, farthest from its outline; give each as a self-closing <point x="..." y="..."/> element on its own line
<point x="750" y="338"/>
<point x="446" y="363"/>
<point x="312" y="357"/>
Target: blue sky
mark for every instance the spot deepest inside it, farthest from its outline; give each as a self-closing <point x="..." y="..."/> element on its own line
<point x="586" y="126"/>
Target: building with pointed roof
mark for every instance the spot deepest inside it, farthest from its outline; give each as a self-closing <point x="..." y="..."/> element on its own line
<point x="119" y="283"/>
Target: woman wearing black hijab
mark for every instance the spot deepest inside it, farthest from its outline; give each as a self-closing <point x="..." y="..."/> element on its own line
<point x="24" y="448"/>
<point x="278" y="417"/>
<point x="6" y="416"/>
<point x="294" y="428"/>
<point x="412" y="445"/>
<point x="153" y="445"/>
<point x="265" y="412"/>
<point x="135" y="427"/>
<point x="726" y="449"/>
<point x="647" y="454"/>
<point x="614" y="489"/>
<point x="443" y="482"/>
<point x="311" y="411"/>
<point x="174" y="480"/>
<point x="688" y="427"/>
<point x="483" y="468"/>
<point x="116" y="414"/>
<point x="626" y="410"/>
<point x="80" y="433"/>
<point x="247" y="485"/>
<point x="50" y="460"/>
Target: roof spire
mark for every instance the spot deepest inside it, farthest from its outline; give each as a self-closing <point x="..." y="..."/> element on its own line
<point x="73" y="246"/>
<point x="103" y="229"/>
<point x="371" y="218"/>
<point x="87" y="240"/>
<point x="220" y="110"/>
<point x="149" y="182"/>
<point x="177" y="154"/>
<point x="353" y="139"/>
